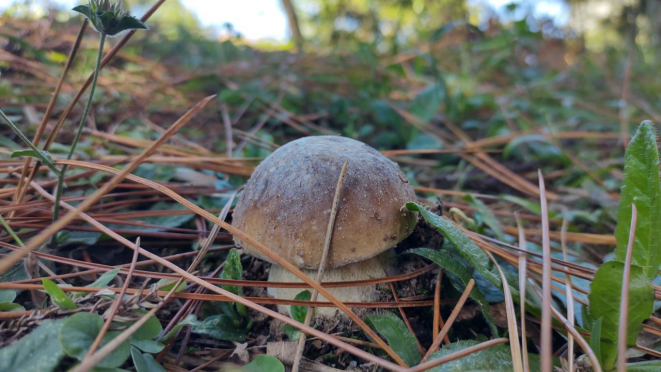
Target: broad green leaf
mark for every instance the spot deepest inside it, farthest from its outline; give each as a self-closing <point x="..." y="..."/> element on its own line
<point x="222" y="327"/>
<point x="605" y="294"/>
<point x="145" y="362"/>
<point x="399" y="338"/>
<point x="445" y="260"/>
<point x="57" y="295"/>
<point x="298" y="313"/>
<point x="595" y="339"/>
<point x="464" y="245"/>
<point x="7" y="295"/>
<point x="188" y="321"/>
<point x="36" y="351"/>
<point x="641" y="187"/>
<point x="78" y="334"/>
<point x="264" y="363"/>
<point x="149" y="330"/>
<point x="484" y="215"/>
<point x="10" y="306"/>
<point x="497" y="358"/>
<point x="166" y="220"/>
<point x="148" y="346"/>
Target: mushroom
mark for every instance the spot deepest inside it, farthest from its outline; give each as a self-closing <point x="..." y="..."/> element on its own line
<point x="286" y="205"/>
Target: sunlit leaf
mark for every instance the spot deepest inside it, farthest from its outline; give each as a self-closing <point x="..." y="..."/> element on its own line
<point x="57" y="295"/>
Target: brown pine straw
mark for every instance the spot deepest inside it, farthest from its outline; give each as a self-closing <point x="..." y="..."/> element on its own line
<point x="235" y="298"/>
<point x="624" y="300"/>
<point x="45" y="234"/>
<point x="115" y="305"/>
<point x="438" y="320"/>
<point x="448" y="324"/>
<point x="298" y="355"/>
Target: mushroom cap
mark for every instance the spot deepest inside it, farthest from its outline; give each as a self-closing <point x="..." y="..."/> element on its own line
<point x="287" y="202"/>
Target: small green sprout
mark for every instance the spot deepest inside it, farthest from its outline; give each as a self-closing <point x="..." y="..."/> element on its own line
<point x="109" y="19"/>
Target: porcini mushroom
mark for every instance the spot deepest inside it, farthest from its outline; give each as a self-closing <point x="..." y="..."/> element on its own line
<point x="287" y="202"/>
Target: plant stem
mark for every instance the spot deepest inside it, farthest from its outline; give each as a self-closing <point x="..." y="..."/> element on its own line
<point x="81" y="125"/>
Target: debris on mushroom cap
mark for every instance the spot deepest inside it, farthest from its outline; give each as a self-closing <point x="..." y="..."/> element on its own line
<point x="286" y="203"/>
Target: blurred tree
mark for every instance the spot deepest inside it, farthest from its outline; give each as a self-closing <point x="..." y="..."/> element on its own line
<point x="384" y="23"/>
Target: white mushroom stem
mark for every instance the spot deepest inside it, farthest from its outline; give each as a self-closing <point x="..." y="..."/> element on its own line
<point x="373" y="268"/>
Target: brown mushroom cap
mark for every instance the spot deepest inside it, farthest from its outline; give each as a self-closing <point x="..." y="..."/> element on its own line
<point x="286" y="203"/>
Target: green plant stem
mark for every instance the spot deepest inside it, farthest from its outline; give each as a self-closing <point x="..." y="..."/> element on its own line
<point x="81" y="125"/>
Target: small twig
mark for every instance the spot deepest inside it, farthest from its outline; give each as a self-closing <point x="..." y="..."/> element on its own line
<point x="438" y="321"/>
<point x="451" y="319"/>
<point x="322" y="266"/>
<point x="624" y="300"/>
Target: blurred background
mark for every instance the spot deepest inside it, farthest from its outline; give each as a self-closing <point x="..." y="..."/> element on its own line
<point x="397" y="74"/>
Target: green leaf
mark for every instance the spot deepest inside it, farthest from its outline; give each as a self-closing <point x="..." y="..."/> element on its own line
<point x="188" y="321"/>
<point x="449" y="263"/>
<point x="84" y="10"/>
<point x="168" y="284"/>
<point x="131" y="23"/>
<point x="145" y="362"/>
<point x="7" y="295"/>
<point x="399" y="338"/>
<point x="232" y="270"/>
<point x="298" y="313"/>
<point x="459" y="240"/>
<point x="222" y="327"/>
<point x="35" y="352"/>
<point x="497" y="358"/>
<point x="43" y="156"/>
<point x="484" y="214"/>
<point x="641" y="187"/>
<point x="78" y="334"/>
<point x="427" y="103"/>
<point x="57" y="295"/>
<point x="149" y="330"/>
<point x="101" y="282"/>
<point x="595" y="339"/>
<point x="264" y="363"/>
<point x="148" y="346"/>
<point x="650" y="366"/>
<point x="605" y="294"/>
<point x="10" y="306"/>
